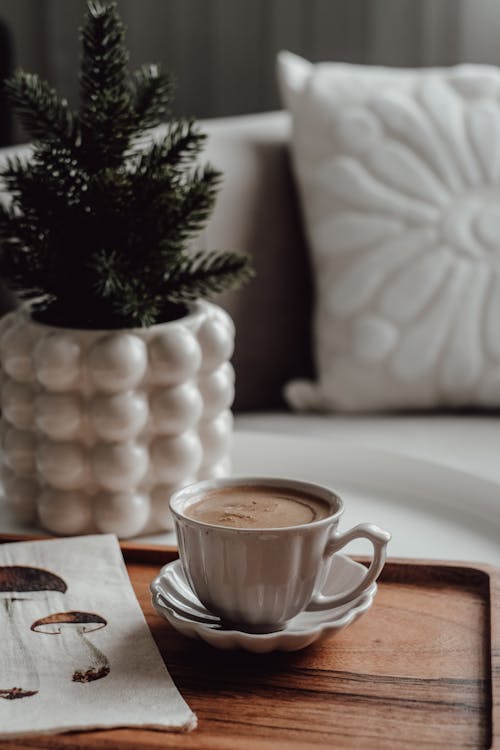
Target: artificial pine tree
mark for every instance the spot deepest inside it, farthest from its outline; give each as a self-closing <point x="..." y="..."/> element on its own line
<point x="99" y="228"/>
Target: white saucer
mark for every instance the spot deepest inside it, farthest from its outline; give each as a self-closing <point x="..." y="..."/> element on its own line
<point x="174" y="600"/>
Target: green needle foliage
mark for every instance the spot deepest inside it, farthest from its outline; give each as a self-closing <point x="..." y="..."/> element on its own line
<point x="102" y="216"/>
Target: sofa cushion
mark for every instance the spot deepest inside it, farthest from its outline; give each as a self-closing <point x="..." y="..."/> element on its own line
<point x="399" y="176"/>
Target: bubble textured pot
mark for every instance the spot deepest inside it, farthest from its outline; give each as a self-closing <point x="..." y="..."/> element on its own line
<point x="100" y="427"/>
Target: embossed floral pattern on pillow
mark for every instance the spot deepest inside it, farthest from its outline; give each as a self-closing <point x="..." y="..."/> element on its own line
<point x="399" y="174"/>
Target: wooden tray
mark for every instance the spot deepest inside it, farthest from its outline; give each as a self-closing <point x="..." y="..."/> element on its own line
<point x="420" y="669"/>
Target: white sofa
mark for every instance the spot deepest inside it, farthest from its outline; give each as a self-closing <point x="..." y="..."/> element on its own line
<point x="257" y="211"/>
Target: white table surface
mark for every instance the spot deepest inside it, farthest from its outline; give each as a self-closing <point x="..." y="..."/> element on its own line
<point x="432" y="510"/>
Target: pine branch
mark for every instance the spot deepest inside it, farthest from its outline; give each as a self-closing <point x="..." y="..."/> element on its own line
<point x="49" y="186"/>
<point x="183" y="143"/>
<point x="147" y="184"/>
<point x="26" y="278"/>
<point x="23" y="249"/>
<point x="197" y="202"/>
<point x="5" y="216"/>
<point x="108" y="270"/>
<point x="107" y="117"/>
<point x="180" y="146"/>
<point x="151" y="92"/>
<point x="104" y="57"/>
<point x="43" y="114"/>
<point x="205" y="273"/>
<point x="138" y="305"/>
<point x="21" y="232"/>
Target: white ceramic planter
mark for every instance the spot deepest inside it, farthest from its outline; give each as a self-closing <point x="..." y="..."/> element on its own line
<point x="100" y="427"/>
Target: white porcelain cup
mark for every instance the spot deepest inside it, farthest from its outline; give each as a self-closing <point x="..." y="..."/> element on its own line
<point x="258" y="579"/>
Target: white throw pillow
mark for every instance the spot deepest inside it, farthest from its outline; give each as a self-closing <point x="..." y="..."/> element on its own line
<point x="399" y="176"/>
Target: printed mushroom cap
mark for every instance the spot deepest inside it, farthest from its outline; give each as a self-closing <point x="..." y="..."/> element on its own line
<point x="21" y="579"/>
<point x="54" y="624"/>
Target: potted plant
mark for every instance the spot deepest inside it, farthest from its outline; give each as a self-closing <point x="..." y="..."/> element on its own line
<point x="116" y="382"/>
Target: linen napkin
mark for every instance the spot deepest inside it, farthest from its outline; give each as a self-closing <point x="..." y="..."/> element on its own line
<point x="75" y="650"/>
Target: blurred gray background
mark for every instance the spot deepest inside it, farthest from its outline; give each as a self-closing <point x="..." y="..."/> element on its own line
<point x="222" y="52"/>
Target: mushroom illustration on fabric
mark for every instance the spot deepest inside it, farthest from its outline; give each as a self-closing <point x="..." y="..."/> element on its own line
<point x="90" y="663"/>
<point x="18" y="583"/>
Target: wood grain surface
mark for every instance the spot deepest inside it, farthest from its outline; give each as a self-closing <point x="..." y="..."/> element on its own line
<point x="421" y="669"/>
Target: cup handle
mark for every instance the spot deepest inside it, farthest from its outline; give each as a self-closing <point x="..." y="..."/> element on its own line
<point x="379" y="538"/>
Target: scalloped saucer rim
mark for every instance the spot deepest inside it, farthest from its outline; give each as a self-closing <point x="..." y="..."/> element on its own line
<point x="174" y="600"/>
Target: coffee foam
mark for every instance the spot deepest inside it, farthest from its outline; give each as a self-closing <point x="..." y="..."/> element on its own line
<point x="257" y="507"/>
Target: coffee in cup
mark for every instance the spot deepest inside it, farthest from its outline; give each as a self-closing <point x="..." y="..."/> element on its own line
<point x="255" y="506"/>
<point x="256" y="551"/>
